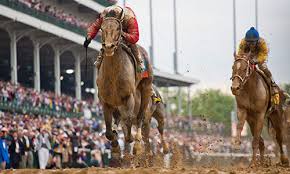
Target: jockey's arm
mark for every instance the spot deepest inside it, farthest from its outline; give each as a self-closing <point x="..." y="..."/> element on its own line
<point x="94" y="28"/>
<point x="132" y="34"/>
<point x="263" y="52"/>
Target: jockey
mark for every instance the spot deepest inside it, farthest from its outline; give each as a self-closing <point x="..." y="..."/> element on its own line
<point x="259" y="52"/>
<point x="130" y="32"/>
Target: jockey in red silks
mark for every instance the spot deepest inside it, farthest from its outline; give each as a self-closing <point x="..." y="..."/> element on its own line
<point x="130" y="32"/>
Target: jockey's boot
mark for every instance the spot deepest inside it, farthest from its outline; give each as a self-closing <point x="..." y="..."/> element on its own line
<point x="99" y="60"/>
<point x="275" y="92"/>
<point x="138" y="57"/>
<point x="275" y="89"/>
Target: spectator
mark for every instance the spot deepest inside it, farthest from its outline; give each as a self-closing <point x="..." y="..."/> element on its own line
<point x="4" y="156"/>
<point x="27" y="158"/>
<point x="15" y="151"/>
<point x="75" y="148"/>
<point x="43" y="148"/>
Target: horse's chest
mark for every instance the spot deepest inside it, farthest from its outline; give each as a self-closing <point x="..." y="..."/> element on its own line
<point x="112" y="90"/>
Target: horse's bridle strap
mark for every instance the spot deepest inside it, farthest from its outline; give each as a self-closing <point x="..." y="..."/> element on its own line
<point x="121" y="26"/>
<point x="243" y="80"/>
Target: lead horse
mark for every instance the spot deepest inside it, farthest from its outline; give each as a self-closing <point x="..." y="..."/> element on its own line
<point x="253" y="98"/>
<point x="120" y="87"/>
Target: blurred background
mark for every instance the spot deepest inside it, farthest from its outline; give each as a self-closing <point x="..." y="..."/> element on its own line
<point x="46" y="84"/>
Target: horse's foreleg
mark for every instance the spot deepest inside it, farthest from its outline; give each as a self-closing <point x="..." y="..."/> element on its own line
<point x="126" y="126"/>
<point x="145" y="134"/>
<point x="242" y="115"/>
<point x="262" y="149"/>
<point x="108" y="111"/>
<point x="261" y="141"/>
<point x="258" y="127"/>
<point x="127" y="115"/>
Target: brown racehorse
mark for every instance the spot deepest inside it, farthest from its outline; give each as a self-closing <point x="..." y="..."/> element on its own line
<point x="157" y="111"/>
<point x="253" y="101"/>
<point x="119" y="86"/>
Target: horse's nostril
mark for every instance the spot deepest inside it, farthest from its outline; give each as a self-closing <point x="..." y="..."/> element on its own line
<point x="235" y="88"/>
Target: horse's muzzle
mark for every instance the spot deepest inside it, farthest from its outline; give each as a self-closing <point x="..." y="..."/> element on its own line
<point x="236" y="90"/>
<point x="109" y="49"/>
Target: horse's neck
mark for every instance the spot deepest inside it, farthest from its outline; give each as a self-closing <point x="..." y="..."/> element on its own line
<point x="113" y="62"/>
<point x="255" y="86"/>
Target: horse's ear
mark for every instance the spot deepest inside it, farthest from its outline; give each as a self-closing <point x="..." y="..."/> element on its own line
<point x="121" y="14"/>
<point x="235" y="55"/>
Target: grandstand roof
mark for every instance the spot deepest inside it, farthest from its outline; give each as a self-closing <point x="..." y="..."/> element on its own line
<point x="21" y="15"/>
<point x="164" y="79"/>
<point x="97" y="5"/>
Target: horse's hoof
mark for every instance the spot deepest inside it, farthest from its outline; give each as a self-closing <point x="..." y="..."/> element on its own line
<point x="109" y="135"/>
<point x="115" y="133"/>
<point x="284" y="161"/>
<point x="127" y="160"/>
<point x="115" y="162"/>
<point x="253" y="164"/>
<point x="130" y="139"/>
<point x="137" y="149"/>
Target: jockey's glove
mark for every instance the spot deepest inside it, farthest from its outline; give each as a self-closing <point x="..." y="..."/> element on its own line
<point x="87" y="42"/>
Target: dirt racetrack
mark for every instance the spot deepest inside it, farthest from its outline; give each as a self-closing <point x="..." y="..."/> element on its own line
<point x="230" y="170"/>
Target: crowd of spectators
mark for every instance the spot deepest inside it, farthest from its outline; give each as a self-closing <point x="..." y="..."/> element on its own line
<point x="55" y="12"/>
<point x="22" y="96"/>
<point x="51" y="142"/>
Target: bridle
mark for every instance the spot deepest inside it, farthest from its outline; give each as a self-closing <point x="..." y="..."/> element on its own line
<point x="248" y="73"/>
<point x="119" y="21"/>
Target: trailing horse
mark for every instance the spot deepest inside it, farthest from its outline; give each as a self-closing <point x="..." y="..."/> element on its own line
<point x="254" y="106"/>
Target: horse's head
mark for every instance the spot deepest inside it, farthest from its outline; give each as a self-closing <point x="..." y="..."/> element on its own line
<point x="111" y="35"/>
<point x="241" y="72"/>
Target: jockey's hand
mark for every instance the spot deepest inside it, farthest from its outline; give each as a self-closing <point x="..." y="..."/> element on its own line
<point x="87" y="42"/>
<point x="123" y="34"/>
<point x="254" y="61"/>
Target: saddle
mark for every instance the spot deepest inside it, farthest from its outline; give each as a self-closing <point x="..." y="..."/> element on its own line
<point x="145" y="73"/>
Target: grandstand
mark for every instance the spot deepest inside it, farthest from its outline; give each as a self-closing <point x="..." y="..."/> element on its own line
<point x="45" y="41"/>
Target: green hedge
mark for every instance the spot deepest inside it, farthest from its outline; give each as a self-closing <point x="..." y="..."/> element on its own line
<point x="27" y="109"/>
